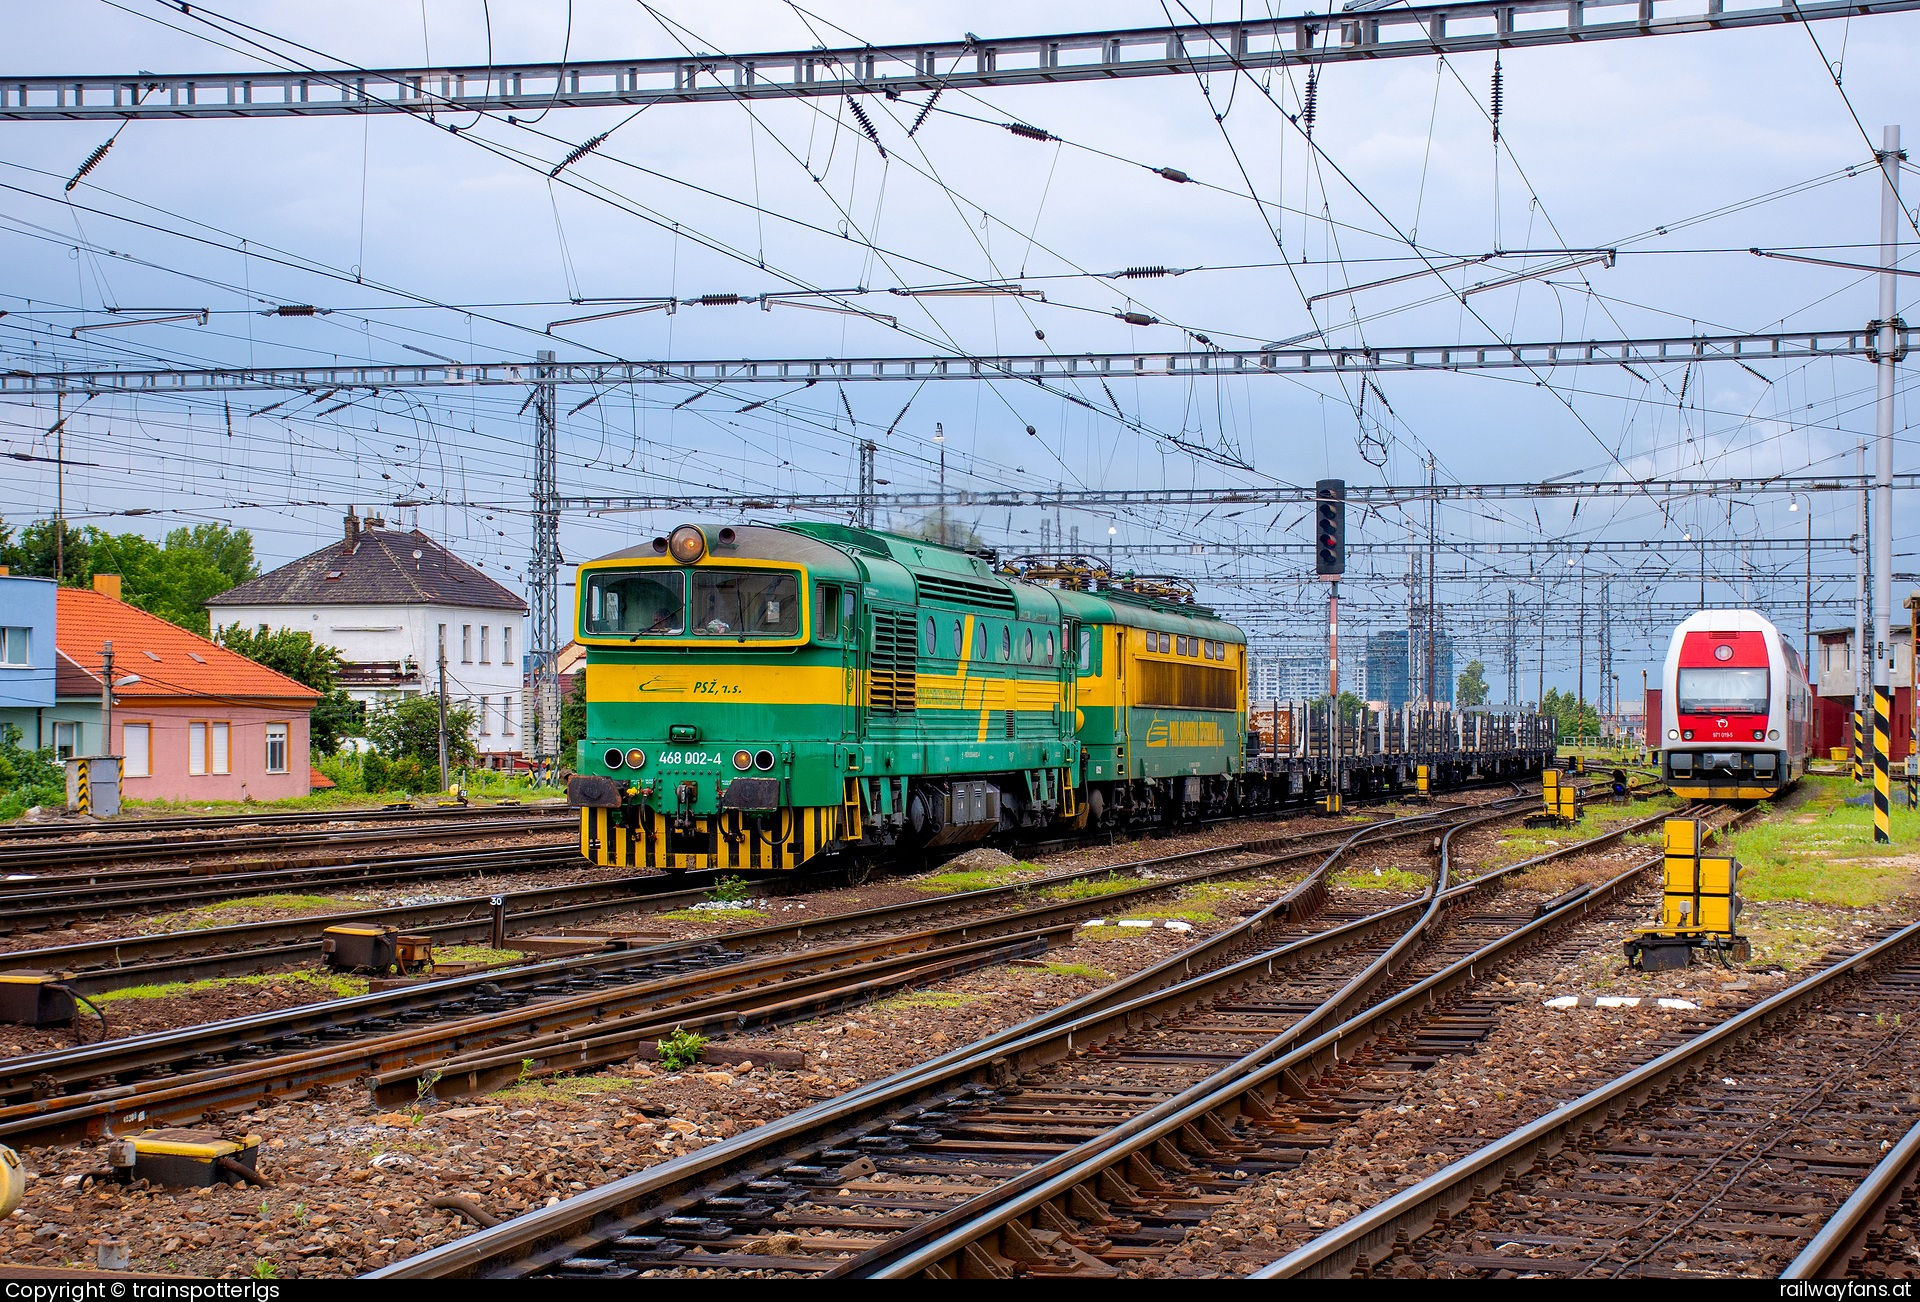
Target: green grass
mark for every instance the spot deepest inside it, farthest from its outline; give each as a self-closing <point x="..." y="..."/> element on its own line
<point x="929" y="999"/>
<point x="1198" y="903"/>
<point x="1086" y="970"/>
<point x="572" y="1089"/>
<point x="1382" y="879"/>
<point x="1595" y="820"/>
<point x="711" y="915"/>
<point x="326" y="985"/>
<point x="1818" y="850"/>
<point x="213" y="915"/>
<point x="1090" y="888"/>
<point x="475" y="954"/>
<point x="973" y="879"/>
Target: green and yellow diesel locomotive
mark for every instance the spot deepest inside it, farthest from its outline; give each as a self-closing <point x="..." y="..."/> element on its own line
<point x="761" y="695"/>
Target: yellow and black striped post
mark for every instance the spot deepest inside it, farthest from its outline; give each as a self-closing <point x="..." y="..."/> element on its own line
<point x="1882" y="776"/>
<point x="1853" y="743"/>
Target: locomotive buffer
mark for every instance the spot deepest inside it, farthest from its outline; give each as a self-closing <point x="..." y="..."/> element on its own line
<point x="1699" y="905"/>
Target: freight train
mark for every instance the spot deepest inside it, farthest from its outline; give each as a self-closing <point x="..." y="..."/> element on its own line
<point x="1734" y="708"/>
<point x="760" y="696"/>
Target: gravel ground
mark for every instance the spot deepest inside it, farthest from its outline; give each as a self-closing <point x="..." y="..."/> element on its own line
<point x="1404" y="1125"/>
<point x="1410" y="1124"/>
<point x="354" y="1184"/>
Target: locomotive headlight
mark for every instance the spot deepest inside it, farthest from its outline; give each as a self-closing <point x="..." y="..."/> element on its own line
<point x="1673" y="734"/>
<point x="743" y="760"/>
<point x="1688" y="734"/>
<point x="1773" y="734"/>
<point x="763" y="760"/>
<point x="612" y="757"/>
<point x="687" y="544"/>
<point x="1723" y="652"/>
<point x="636" y="759"/>
<point x="1757" y="734"/>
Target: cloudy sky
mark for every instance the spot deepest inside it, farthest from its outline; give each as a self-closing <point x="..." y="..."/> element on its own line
<point x="1681" y="153"/>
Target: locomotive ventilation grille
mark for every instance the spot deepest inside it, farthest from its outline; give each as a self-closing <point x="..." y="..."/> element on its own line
<point x="895" y="644"/>
<point x="964" y="592"/>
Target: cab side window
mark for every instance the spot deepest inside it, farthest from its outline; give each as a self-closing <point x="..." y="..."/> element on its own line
<point x="826" y="612"/>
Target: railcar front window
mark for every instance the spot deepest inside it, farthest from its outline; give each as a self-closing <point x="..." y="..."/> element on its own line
<point x="745" y="603"/>
<point x="1723" y="691"/>
<point x="637" y="603"/>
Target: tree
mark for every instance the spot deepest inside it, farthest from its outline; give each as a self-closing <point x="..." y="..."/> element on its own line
<point x="573" y="718"/>
<point x="1574" y="717"/>
<point x="410" y="729"/>
<point x="32" y="551"/>
<point x="952" y="532"/>
<point x="1351" y="706"/>
<point x="311" y="664"/>
<point x="1471" y="689"/>
<point x="173" y="579"/>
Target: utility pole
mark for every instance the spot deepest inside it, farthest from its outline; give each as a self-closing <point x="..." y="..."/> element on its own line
<point x="446" y="778"/>
<point x="1513" y="654"/>
<point x="1807" y="632"/>
<point x="1913" y="719"/>
<point x="1580" y="648"/>
<point x="1540" y="699"/>
<point x="543" y="579"/>
<point x="59" y="489"/>
<point x="106" y="699"/>
<point x="1433" y="557"/>
<point x="864" y="514"/>
<point x="1856" y="740"/>
<point x="940" y="437"/>
<point x="1889" y="157"/>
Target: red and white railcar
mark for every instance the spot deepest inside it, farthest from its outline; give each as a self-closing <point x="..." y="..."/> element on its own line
<point x="1735" y="717"/>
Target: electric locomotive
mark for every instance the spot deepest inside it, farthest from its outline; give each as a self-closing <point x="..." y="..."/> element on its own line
<point x="762" y="695"/>
<point x="1734" y="709"/>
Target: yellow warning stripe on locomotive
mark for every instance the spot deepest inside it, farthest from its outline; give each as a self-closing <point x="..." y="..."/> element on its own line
<point x="784" y="840"/>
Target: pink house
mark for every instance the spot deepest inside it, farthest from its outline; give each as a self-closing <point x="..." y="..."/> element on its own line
<point x="191" y="720"/>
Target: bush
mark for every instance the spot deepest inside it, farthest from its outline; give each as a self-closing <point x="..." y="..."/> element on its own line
<point x="28" y="777"/>
<point x="372" y="773"/>
<point x="680" y="1050"/>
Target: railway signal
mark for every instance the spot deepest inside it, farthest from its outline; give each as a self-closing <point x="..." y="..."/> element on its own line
<point x="1330" y="528"/>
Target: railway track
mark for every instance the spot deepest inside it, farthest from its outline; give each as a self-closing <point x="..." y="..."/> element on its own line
<point x="1719" y="1157"/>
<point x="247" y="948"/>
<point x="11" y="833"/>
<point x="45" y="861"/>
<point x="52" y="904"/>
<point x="1876" y="1232"/>
<point x="1120" y="1113"/>
<point x="619" y="996"/>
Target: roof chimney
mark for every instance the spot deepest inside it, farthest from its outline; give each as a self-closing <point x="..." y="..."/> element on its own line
<point x="353" y="529"/>
<point x="107" y="585"/>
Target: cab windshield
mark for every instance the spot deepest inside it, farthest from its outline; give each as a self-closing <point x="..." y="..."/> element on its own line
<point x="1723" y="691"/>
<point x="745" y="603"/>
<point x="637" y="603"/>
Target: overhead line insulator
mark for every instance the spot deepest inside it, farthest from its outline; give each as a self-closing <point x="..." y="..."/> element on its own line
<point x="93" y="161"/>
<point x="579" y="152"/>
<point x="866" y="124"/>
<point x="925" y="111"/>
<point x="1172" y="174"/>
<point x="1137" y="318"/>
<point x="719" y="300"/>
<point x="1026" y="132"/>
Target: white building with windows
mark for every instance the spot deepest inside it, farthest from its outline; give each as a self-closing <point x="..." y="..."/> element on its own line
<point x="390" y="600"/>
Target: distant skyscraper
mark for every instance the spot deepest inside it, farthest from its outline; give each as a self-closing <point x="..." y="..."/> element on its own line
<point x="1386" y="672"/>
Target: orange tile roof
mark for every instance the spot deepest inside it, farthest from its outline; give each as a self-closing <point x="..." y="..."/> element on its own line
<point x="168" y="660"/>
